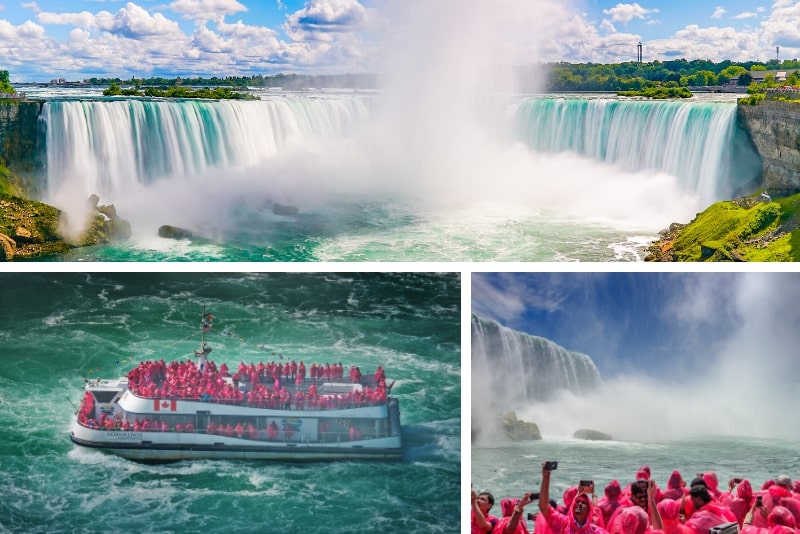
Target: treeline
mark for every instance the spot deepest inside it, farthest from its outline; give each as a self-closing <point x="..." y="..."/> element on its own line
<point x="284" y="81"/>
<point x="566" y="77"/>
<point x="633" y="76"/>
<point x="216" y="93"/>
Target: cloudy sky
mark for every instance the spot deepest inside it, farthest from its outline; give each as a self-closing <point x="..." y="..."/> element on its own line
<point x="75" y="39"/>
<point x="659" y="324"/>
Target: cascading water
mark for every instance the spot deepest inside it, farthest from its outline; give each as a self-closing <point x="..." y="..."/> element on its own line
<point x="691" y="141"/>
<point x="102" y="146"/>
<point x="377" y="180"/>
<point x="511" y="369"/>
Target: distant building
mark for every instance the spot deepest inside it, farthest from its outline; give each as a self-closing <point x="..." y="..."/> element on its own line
<point x="759" y="75"/>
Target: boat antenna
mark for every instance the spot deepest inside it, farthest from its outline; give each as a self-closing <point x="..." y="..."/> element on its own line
<point x="73" y="404"/>
<point x="205" y="325"/>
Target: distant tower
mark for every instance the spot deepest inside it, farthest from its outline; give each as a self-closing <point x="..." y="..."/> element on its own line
<point x="639" y="53"/>
<point x="777" y="54"/>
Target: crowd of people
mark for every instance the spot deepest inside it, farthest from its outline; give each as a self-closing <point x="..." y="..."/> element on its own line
<point x="292" y="387"/>
<point x="642" y="507"/>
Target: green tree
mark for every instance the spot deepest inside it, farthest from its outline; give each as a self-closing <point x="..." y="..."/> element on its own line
<point x="5" y="83"/>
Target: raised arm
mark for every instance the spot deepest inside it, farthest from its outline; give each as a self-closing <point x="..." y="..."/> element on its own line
<point x="544" y="494"/>
<point x="480" y="519"/>
<point x="519" y="509"/>
<point x="652" y="508"/>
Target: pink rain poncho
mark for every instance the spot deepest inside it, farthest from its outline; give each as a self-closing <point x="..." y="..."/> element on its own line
<point x="568" y="496"/>
<point x="507" y="508"/>
<point x="712" y="483"/>
<point x="670" y="512"/>
<point x="676" y="488"/>
<point x="610" y="501"/>
<point x="630" y="520"/>
<point x="742" y="501"/>
<point x="710" y="515"/>
<point x="779" y="521"/>
<point x="565" y="523"/>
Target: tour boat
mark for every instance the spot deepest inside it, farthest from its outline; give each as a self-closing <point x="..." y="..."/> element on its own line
<point x="185" y="410"/>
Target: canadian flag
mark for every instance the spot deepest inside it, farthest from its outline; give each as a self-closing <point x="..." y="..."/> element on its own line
<point x="163" y="404"/>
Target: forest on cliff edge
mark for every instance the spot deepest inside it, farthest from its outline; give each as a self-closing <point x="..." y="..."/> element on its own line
<point x="556" y="76"/>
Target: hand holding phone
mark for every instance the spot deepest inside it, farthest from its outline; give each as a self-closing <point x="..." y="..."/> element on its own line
<point x="550" y="466"/>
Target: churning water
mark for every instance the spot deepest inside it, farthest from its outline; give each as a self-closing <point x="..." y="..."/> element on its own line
<point x="58" y="328"/>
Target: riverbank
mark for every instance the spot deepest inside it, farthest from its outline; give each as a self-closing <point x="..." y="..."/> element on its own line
<point x="32" y="230"/>
<point x="29" y="230"/>
<point x="744" y="229"/>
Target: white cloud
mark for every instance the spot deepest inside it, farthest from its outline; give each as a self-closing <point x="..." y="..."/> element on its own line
<point x="33" y="6"/>
<point x="336" y="35"/>
<point x="135" y="22"/>
<point x="322" y="19"/>
<point x="714" y="44"/>
<point x="83" y="19"/>
<point x="624" y="13"/>
<point x="718" y="12"/>
<point x="204" y="10"/>
<point x="607" y="26"/>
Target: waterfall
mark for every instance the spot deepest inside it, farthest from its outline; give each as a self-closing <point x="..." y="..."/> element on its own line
<point x="100" y="146"/>
<point x="112" y="146"/>
<point x="699" y="143"/>
<point x="511" y="370"/>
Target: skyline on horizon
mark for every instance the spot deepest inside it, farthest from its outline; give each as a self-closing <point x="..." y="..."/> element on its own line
<point x="80" y="39"/>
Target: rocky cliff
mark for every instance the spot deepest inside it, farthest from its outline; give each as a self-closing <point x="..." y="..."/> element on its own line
<point x="774" y="127"/>
<point x="20" y="141"/>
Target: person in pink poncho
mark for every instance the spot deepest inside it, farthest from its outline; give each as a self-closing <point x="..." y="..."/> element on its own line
<point x="773" y="493"/>
<point x="741" y="501"/>
<point x="481" y="521"/>
<point x="577" y="520"/>
<point x="712" y="483"/>
<point x="643" y="497"/>
<point x="669" y="513"/>
<point x="707" y="514"/>
<point x="676" y="487"/>
<point x="610" y="500"/>
<point x="630" y="520"/>
<point x="512" y="521"/>
<point x="779" y="521"/>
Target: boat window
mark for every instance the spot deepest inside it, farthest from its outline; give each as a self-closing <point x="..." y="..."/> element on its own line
<point x="104" y="396"/>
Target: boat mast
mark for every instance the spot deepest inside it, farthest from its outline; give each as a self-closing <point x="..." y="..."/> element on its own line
<point x="205" y="324"/>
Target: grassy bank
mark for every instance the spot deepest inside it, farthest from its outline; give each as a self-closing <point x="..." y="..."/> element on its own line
<point x="745" y="229"/>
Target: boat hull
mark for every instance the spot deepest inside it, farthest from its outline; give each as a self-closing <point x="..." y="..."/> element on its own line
<point x="172" y="447"/>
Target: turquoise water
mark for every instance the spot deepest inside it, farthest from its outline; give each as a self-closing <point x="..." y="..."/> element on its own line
<point x="61" y="327"/>
<point x="514" y="469"/>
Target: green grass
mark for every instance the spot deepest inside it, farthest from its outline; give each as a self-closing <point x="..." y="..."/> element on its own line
<point x="732" y="229"/>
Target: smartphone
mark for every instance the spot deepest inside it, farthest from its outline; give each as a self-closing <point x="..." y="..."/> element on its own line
<point x="737" y="480"/>
<point x="531" y="517"/>
<point x="550" y="466"/>
<point x="759" y="501"/>
<point x="587" y="483"/>
<point x="534" y="496"/>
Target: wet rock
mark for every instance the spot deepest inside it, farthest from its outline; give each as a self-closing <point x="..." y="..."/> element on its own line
<point x="7" y="248"/>
<point x="174" y="232"/>
<point x="518" y="430"/>
<point x="591" y="435"/>
<point x="281" y="209"/>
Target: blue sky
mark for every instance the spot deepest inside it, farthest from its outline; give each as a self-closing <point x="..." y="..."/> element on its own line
<point x="658" y="324"/>
<point x="74" y="39"/>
